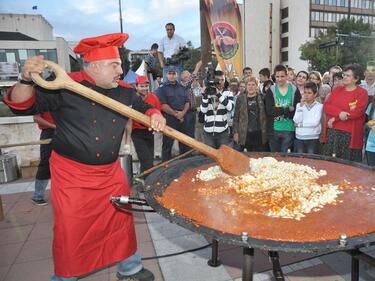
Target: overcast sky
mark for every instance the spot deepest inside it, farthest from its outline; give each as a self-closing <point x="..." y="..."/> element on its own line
<point x="143" y="20"/>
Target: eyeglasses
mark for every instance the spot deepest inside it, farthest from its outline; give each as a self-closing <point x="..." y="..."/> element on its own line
<point x="171" y="73"/>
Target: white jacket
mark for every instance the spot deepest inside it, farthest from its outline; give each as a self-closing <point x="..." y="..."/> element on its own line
<point x="307" y="119"/>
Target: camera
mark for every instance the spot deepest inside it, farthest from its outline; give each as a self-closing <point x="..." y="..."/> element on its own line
<point x="183" y="54"/>
<point x="210" y="82"/>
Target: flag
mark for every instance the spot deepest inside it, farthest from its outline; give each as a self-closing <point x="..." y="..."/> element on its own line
<point x="223" y="20"/>
<point x="35" y="7"/>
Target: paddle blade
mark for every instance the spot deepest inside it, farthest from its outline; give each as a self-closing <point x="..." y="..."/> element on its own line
<point x="231" y="161"/>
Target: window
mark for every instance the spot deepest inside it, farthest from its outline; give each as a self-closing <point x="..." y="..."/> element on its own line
<point x="329" y="15"/>
<point x="31" y="53"/>
<point x="284" y="13"/>
<point x="285" y="27"/>
<point x="284" y="56"/>
<point x="3" y="56"/>
<point x="321" y="16"/>
<point x="22" y="54"/>
<point x="284" y="42"/>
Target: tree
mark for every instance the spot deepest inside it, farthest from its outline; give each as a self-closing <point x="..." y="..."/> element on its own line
<point x="349" y="42"/>
<point x="125" y="63"/>
<point x="195" y="56"/>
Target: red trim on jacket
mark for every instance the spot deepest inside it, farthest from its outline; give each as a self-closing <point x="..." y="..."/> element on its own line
<point x="19" y="105"/>
<point x="48" y="117"/>
<point x="153" y="100"/>
<point x="124" y="84"/>
<point x="81" y="75"/>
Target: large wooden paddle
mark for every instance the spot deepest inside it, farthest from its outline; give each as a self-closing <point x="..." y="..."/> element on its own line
<point x="230" y="160"/>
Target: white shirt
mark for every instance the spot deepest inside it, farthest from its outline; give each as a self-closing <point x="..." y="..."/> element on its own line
<point x="308" y="122"/>
<point x="170" y="46"/>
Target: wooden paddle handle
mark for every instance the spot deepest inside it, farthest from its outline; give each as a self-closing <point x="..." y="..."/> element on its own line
<point x="63" y="81"/>
<point x="45" y="141"/>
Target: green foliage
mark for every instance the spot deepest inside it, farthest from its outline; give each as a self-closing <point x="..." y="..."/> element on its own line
<point x="349" y="45"/>
<point x="195" y="56"/>
<point x="124" y="55"/>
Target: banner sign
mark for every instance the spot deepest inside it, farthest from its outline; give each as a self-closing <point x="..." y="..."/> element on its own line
<point x="225" y="26"/>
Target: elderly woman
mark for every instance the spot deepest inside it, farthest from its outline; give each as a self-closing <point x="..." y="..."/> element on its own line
<point x="345" y="109"/>
<point x="249" y="122"/>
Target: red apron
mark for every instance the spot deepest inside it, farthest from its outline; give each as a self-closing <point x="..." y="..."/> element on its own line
<point x="89" y="233"/>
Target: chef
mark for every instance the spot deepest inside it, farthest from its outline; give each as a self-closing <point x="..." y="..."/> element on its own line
<point x="89" y="233"/>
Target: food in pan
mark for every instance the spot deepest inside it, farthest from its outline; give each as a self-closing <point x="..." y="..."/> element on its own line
<point x="285" y="198"/>
<point x="282" y="189"/>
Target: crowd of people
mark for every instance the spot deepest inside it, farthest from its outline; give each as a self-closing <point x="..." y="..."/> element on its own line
<point x="282" y="111"/>
<point x="285" y="111"/>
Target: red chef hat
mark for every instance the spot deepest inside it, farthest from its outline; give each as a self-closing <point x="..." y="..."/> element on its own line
<point x="141" y="80"/>
<point x="101" y="47"/>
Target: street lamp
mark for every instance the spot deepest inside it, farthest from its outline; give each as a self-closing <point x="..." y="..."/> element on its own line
<point x="119" y="6"/>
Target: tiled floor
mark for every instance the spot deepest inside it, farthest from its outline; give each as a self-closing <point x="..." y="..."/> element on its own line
<point x="26" y="235"/>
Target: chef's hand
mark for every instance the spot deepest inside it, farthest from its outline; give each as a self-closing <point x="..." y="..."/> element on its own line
<point x="32" y="65"/>
<point x="158" y="122"/>
<point x="236" y="137"/>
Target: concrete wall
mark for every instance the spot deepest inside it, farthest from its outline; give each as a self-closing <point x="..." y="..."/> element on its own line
<point x="17" y="130"/>
<point x="35" y="26"/>
<point x="299" y="22"/>
<point x="259" y="34"/>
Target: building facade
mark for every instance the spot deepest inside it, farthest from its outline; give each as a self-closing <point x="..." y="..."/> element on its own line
<point x="274" y="30"/>
<point x="23" y="36"/>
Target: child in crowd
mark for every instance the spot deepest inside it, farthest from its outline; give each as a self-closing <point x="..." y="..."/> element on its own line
<point x="307" y="121"/>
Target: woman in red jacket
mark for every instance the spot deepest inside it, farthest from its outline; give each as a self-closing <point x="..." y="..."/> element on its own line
<point x="345" y="109"/>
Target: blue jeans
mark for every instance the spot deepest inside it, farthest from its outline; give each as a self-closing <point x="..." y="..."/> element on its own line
<point x="175" y="67"/>
<point x="40" y="188"/>
<point x="306" y="146"/>
<point x="189" y="123"/>
<point x="370" y="156"/>
<point x="128" y="266"/>
<point x="281" y="141"/>
<point x="215" y="140"/>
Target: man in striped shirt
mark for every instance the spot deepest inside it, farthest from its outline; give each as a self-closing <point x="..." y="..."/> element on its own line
<point x="216" y="104"/>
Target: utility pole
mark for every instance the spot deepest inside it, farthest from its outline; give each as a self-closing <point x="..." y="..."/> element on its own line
<point x="349" y="9"/>
<point x="119" y="6"/>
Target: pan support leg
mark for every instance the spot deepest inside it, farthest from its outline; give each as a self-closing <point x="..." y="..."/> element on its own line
<point x="248" y="264"/>
<point x="355" y="265"/>
<point x="276" y="268"/>
<point x="214" y="261"/>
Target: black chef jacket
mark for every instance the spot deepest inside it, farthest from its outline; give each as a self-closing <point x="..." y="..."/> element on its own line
<point x="86" y="132"/>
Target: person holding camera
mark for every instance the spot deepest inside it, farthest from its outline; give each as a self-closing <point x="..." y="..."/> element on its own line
<point x="217" y="102"/>
<point x="169" y="47"/>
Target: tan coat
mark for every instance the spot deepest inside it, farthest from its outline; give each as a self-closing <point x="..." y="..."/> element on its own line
<point x="240" y="119"/>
